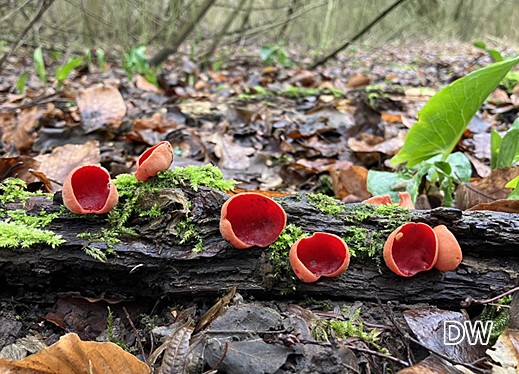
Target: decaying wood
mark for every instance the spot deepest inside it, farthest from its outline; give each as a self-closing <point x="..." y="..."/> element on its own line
<point x="154" y="264"/>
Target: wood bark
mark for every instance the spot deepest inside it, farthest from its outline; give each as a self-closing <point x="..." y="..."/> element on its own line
<point x="155" y="265"/>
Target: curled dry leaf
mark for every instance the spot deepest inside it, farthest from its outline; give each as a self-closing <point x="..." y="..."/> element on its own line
<point x="18" y="130"/>
<point x="503" y="205"/>
<point x="101" y="106"/>
<point x="350" y="183"/>
<point x="71" y="355"/>
<point x="62" y="160"/>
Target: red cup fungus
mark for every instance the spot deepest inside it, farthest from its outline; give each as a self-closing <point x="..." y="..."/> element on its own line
<point x="411" y="248"/>
<point x="155" y="159"/>
<point x="89" y="189"/>
<point x="405" y="200"/>
<point x="449" y="250"/>
<point x="251" y="219"/>
<point x="321" y="254"/>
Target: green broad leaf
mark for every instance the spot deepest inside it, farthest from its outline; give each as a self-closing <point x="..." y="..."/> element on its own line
<point x="509" y="147"/>
<point x="39" y="65"/>
<point x="64" y="71"/>
<point x="446" y="115"/>
<point x="495" y="142"/>
<point x="22" y="82"/>
<point x="386" y="183"/>
<point x="513" y="183"/>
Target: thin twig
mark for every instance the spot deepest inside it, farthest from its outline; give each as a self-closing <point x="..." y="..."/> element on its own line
<point x="136" y="332"/>
<point x="44" y="6"/>
<point x="358" y="36"/>
<point x="42" y="99"/>
<point x="470" y="301"/>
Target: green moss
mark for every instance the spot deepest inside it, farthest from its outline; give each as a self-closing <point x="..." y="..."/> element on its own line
<point x="18" y="228"/>
<point x="499" y="315"/>
<point x="353" y="328"/>
<point x="133" y="195"/>
<point x="15" y="235"/>
<point x="278" y="254"/>
<point x="326" y="204"/>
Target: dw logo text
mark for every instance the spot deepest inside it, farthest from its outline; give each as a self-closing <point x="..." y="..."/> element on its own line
<point x="476" y="332"/>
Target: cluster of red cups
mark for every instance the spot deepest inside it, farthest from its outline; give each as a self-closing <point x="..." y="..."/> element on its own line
<point x="251" y="219"/>
<point x="88" y="189"/>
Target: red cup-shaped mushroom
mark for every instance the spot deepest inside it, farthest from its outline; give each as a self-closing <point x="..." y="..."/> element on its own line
<point x="89" y="189"/>
<point x="410" y="249"/>
<point x="321" y="254"/>
<point x="250" y="219"/>
<point x="449" y="250"/>
<point x="405" y="200"/>
<point x="155" y="159"/>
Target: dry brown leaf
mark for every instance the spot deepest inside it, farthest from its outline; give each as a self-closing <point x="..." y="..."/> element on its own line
<point x="157" y="122"/>
<point x="70" y="355"/>
<point x="350" y="183"/>
<point x="487" y="189"/>
<point x="303" y="77"/>
<point x="142" y="84"/>
<point x="358" y="80"/>
<point x="232" y="156"/>
<point x="506" y="352"/>
<point x="18" y="130"/>
<point x="100" y="107"/>
<point x="503" y="205"/>
<point x="389" y="147"/>
<point x="18" y="167"/>
<point x="62" y="160"/>
<point x="216" y="310"/>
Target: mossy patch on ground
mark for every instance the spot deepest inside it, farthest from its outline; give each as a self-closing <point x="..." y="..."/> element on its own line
<point x="18" y="228"/>
<point x="134" y="196"/>
<point x="278" y="254"/>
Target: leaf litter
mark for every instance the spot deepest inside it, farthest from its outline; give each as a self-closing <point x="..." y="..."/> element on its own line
<point x="269" y="128"/>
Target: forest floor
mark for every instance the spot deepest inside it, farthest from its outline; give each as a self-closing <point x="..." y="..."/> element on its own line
<point x="271" y="128"/>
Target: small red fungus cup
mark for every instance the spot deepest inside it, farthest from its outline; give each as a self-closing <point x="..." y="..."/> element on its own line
<point x="89" y="189"/>
<point x="410" y="249"/>
<point x="155" y="159"/>
<point x="321" y="254"/>
<point x="405" y="200"/>
<point x="449" y="250"/>
<point x="250" y="219"/>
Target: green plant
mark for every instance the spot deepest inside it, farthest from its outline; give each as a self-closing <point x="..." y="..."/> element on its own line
<point x="352" y="328"/>
<point x="22" y="82"/>
<point x="274" y="54"/>
<point x="135" y="61"/>
<point x="514" y="183"/>
<point x="494" y="54"/>
<point x="445" y="116"/>
<point x="39" y="65"/>
<point x="101" y="59"/>
<point x="64" y="71"/>
<point x="505" y="151"/>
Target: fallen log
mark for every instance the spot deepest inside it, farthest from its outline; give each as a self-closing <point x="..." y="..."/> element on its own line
<point x="154" y="264"/>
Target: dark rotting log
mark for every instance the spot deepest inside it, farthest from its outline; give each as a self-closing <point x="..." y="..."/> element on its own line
<point x="154" y="265"/>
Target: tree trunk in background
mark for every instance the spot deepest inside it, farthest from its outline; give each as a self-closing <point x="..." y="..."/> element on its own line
<point x="284" y="28"/>
<point x="184" y="31"/>
<point x="92" y="10"/>
<point x="216" y="41"/>
<point x="245" y="21"/>
<point x="356" y="37"/>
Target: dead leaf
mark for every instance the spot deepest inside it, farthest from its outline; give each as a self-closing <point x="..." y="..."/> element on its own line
<point x="216" y="310"/>
<point x="231" y="155"/>
<point x="177" y="350"/>
<point x="350" y="183"/>
<point x="18" y="167"/>
<point x="60" y="162"/>
<point x="358" y="80"/>
<point x="303" y="77"/>
<point x="389" y="147"/>
<point x="70" y="355"/>
<point x="101" y="107"/>
<point x="503" y="205"/>
<point x="506" y="352"/>
<point x="18" y="130"/>
<point x="487" y="189"/>
<point x="142" y="84"/>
